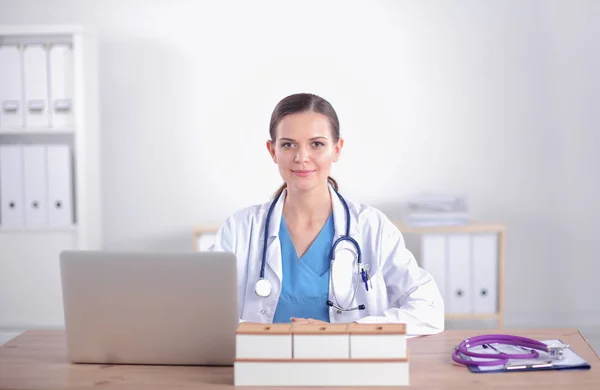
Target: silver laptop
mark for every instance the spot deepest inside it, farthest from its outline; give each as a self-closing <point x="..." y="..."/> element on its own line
<point x="150" y="308"/>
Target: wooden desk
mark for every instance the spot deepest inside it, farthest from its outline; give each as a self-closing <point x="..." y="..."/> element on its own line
<point x="38" y="360"/>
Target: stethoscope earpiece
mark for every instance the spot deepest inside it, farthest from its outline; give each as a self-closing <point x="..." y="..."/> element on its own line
<point x="340" y="309"/>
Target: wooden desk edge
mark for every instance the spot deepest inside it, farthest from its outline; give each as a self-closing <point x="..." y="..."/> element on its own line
<point x="589" y="345"/>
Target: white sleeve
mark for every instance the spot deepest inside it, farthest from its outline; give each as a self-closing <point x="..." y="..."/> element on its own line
<point x="226" y="242"/>
<point x="225" y="239"/>
<point x="413" y="296"/>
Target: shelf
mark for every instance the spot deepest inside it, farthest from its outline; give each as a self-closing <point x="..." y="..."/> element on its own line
<point x="45" y="30"/>
<point x="471" y="227"/>
<point x="42" y="131"/>
<point x="4" y="230"/>
<point x="65" y="144"/>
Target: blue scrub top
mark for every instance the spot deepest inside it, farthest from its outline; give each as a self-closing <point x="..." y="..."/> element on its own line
<point x="305" y="284"/>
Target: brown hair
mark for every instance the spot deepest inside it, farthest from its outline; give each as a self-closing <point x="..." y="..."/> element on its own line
<point x="303" y="102"/>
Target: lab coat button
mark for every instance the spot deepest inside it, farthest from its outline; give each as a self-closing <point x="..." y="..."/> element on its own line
<point x="263" y="311"/>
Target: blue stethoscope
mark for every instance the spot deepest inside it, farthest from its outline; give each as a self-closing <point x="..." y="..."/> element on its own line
<point x="262" y="288"/>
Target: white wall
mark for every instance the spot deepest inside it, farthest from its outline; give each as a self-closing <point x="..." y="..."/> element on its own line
<point x="498" y="100"/>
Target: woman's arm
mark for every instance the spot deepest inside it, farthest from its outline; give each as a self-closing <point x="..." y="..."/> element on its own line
<point x="414" y="297"/>
<point x="226" y="242"/>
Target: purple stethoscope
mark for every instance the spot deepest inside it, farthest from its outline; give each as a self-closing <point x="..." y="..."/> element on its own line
<point x="555" y="351"/>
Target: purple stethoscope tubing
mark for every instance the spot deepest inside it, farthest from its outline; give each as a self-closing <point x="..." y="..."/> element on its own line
<point x="499" y="358"/>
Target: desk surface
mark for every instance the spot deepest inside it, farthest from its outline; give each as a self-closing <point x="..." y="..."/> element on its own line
<point x="38" y="360"/>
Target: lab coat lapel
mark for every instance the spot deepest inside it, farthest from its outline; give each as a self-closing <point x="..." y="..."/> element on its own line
<point x="339" y="217"/>
<point x="273" y="243"/>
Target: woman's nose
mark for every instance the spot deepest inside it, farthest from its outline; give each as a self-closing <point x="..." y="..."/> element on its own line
<point x="301" y="155"/>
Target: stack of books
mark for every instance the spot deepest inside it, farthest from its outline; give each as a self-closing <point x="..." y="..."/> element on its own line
<point x="437" y="210"/>
<point x="321" y="355"/>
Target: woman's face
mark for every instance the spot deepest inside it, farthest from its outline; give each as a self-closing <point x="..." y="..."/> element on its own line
<point x="304" y="150"/>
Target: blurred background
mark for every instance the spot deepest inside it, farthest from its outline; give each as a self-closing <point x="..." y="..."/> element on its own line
<point x="496" y="100"/>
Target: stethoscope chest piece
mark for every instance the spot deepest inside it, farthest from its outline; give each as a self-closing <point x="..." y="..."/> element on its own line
<point x="556" y="351"/>
<point x="262" y="288"/>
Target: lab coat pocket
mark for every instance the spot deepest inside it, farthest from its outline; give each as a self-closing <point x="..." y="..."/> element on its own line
<point x="375" y="298"/>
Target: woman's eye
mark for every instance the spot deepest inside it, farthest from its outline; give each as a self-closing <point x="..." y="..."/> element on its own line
<point x="286" y="145"/>
<point x="318" y="144"/>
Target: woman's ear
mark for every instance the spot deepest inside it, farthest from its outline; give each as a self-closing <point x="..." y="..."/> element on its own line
<point x="338" y="149"/>
<point x="271" y="149"/>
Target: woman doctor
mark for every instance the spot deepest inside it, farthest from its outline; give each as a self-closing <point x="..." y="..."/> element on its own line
<point x="292" y="276"/>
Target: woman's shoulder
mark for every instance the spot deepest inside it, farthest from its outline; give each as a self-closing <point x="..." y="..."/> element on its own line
<point x="372" y="217"/>
<point x="366" y="212"/>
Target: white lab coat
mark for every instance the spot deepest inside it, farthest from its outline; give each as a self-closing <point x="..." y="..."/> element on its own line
<point x="401" y="292"/>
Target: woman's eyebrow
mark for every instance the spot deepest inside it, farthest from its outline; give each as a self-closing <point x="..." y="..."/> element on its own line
<point x="293" y="140"/>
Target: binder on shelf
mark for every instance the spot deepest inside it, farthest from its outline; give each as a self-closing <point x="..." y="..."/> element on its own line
<point x="34" y="173"/>
<point x="11" y="91"/>
<point x="60" y="203"/>
<point x="433" y="260"/>
<point x="485" y="272"/>
<point x="36" y="86"/>
<point x="11" y="187"/>
<point x="61" y="86"/>
<point x="459" y="274"/>
<point x="465" y="268"/>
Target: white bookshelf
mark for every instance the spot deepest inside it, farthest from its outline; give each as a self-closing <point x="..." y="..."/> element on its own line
<point x="468" y="262"/>
<point x="30" y="289"/>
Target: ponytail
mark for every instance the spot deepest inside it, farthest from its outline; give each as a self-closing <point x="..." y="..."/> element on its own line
<point x="330" y="180"/>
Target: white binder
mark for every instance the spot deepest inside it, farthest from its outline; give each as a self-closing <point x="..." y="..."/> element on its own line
<point x="36" y="87"/>
<point x="485" y="272"/>
<point x="433" y="260"/>
<point x="459" y="274"/>
<point x="34" y="172"/>
<point x="11" y="91"/>
<point x="11" y="187"/>
<point x="60" y="204"/>
<point x="61" y="86"/>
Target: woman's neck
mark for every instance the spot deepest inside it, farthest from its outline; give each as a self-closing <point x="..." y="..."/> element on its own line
<point x="308" y="206"/>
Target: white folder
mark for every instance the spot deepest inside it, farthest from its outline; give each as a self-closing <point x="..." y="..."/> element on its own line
<point x="11" y="187"/>
<point x="60" y="204"/>
<point x="459" y="274"/>
<point x="433" y="259"/>
<point x="11" y="91"/>
<point x="36" y="86"/>
<point x="61" y="86"/>
<point x="34" y="172"/>
<point x="485" y="272"/>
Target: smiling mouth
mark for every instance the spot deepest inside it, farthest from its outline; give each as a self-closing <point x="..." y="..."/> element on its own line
<point x="302" y="173"/>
